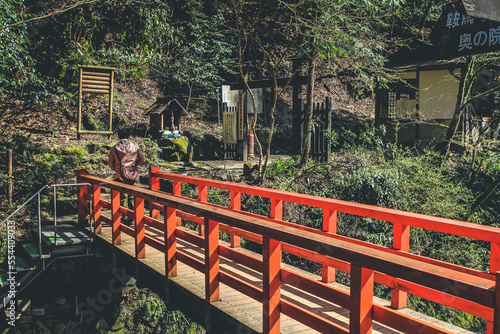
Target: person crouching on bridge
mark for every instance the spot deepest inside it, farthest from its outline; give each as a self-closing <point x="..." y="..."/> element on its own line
<point x="124" y="158"/>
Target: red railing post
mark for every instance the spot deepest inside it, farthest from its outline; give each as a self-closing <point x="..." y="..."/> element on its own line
<point x="329" y="225"/>
<point x="140" y="231"/>
<point x="202" y="197"/>
<point x="154" y="184"/>
<point x="401" y="242"/>
<point x="360" y="319"/>
<point x="170" y="241"/>
<point x="271" y="257"/>
<point x="494" y="257"/>
<point x="176" y="190"/>
<point x="211" y="260"/>
<point x="276" y="208"/>
<point x="82" y="198"/>
<point x="496" y="321"/>
<point x="97" y="208"/>
<point x="115" y="217"/>
<point x="235" y="204"/>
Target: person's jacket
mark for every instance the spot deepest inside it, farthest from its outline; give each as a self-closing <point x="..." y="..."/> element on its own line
<point x="126" y="153"/>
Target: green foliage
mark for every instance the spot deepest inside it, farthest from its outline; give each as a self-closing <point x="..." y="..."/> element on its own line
<point x="142" y="311"/>
<point x="16" y="67"/>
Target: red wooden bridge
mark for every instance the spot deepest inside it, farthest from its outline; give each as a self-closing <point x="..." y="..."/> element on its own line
<point x="268" y="296"/>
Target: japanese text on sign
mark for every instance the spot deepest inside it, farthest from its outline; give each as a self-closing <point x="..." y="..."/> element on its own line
<point x="481" y="38"/>
<point x="457" y="19"/>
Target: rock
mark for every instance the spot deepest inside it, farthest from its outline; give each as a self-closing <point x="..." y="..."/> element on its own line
<point x="176" y="149"/>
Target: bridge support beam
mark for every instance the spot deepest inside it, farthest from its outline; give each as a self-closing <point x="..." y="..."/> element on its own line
<point x="401" y="242"/>
<point x="212" y="278"/>
<point x="360" y="320"/>
<point x="271" y="256"/>
<point x="496" y="321"/>
<point x="154" y="184"/>
<point x="170" y="241"/>
<point x="115" y="217"/>
<point x="97" y="208"/>
<point x="235" y="204"/>
<point x="329" y="225"/>
<point x="140" y="231"/>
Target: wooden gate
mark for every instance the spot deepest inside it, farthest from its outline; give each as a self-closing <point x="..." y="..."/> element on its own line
<point x="321" y="148"/>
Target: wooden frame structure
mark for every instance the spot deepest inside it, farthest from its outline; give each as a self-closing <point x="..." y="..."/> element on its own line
<point x="462" y="288"/>
<point x="96" y="80"/>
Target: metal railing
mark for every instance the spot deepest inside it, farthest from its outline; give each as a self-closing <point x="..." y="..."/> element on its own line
<point x="39" y="211"/>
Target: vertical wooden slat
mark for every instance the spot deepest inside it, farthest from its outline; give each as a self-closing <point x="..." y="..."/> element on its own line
<point x="170" y="241"/>
<point x="202" y="197"/>
<point x="140" y="232"/>
<point x="271" y="256"/>
<point x="211" y="260"/>
<point x="329" y="225"/>
<point x="154" y="184"/>
<point x="79" y="116"/>
<point x="361" y="312"/>
<point x="401" y="242"/>
<point x="329" y="128"/>
<point x="111" y="101"/>
<point x="235" y="204"/>
<point x="97" y="208"/>
<point x="115" y="217"/>
<point x="276" y="208"/>
<point x="9" y="172"/>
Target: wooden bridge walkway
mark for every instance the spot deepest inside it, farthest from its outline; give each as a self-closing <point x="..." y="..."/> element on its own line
<point x="264" y="295"/>
<point x="243" y="308"/>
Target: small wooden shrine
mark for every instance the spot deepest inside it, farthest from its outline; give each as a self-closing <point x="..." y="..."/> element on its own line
<point x="166" y="115"/>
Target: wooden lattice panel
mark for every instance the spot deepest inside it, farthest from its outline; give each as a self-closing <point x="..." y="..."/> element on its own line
<point x="96" y="80"/>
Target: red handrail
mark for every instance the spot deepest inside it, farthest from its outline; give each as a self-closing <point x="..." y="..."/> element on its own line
<point x="456" y="286"/>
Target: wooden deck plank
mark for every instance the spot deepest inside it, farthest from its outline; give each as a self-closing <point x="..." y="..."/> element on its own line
<point x="243" y="308"/>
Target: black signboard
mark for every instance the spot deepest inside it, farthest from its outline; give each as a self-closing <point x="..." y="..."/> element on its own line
<point x="458" y="34"/>
<point x="485" y="9"/>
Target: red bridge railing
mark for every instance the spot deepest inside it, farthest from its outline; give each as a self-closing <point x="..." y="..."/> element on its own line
<point x="462" y="288"/>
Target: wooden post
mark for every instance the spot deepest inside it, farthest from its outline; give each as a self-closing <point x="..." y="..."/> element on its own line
<point x="271" y="256"/>
<point x="202" y="197"/>
<point x="276" y="209"/>
<point x="176" y="190"/>
<point x="494" y="257"/>
<point x="235" y="204"/>
<point x="360" y="319"/>
<point x="211" y="260"/>
<point x="328" y="128"/>
<point x="9" y="167"/>
<point x="97" y="208"/>
<point x="140" y="231"/>
<point x="170" y="241"/>
<point x="82" y="199"/>
<point x="401" y="242"/>
<point x="115" y="217"/>
<point x="154" y="184"/>
<point x="329" y="225"/>
<point x="496" y="321"/>
<point x="79" y="116"/>
<point x="111" y="101"/>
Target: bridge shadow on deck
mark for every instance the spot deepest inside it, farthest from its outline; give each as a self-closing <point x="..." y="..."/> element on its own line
<point x="235" y="312"/>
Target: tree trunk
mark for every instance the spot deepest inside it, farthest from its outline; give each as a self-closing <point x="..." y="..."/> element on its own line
<point x="462" y="99"/>
<point x="308" y="113"/>
<point x="271" y="127"/>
